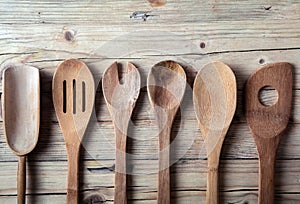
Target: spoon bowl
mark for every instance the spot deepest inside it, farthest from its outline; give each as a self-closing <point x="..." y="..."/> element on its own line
<point x="166" y="86"/>
<point x="214" y="99"/>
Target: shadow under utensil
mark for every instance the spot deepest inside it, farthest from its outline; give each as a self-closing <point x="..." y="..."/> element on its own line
<point x="41" y="151"/>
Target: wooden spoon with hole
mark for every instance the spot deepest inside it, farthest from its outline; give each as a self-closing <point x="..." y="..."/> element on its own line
<point x="268" y="122"/>
<point x="214" y="99"/>
<point x="21" y="115"/>
<point x="120" y="99"/>
<point x="73" y="91"/>
<point x="166" y="86"/>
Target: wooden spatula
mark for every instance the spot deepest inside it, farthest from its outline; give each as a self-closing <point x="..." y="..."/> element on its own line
<point x="268" y="122"/>
<point x="21" y="115"/>
<point x="73" y="93"/>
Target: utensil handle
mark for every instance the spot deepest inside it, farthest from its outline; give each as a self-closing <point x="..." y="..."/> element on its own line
<point x="212" y="191"/>
<point x="164" y="163"/>
<point x="120" y="196"/>
<point x="73" y="175"/>
<point x="212" y="195"/>
<point x="266" y="178"/>
<point x="21" y="179"/>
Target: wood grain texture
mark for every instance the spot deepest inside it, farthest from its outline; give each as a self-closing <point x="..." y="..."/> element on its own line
<point x="267" y="123"/>
<point x="215" y="98"/>
<point x="73" y="92"/>
<point x="243" y="34"/>
<point x="166" y="86"/>
<point x="121" y="94"/>
<point x="21" y="116"/>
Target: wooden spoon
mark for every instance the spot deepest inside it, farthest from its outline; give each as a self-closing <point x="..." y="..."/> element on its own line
<point x="120" y="99"/>
<point x="21" y="115"/>
<point x="215" y="103"/>
<point x="73" y="92"/>
<point x="268" y="122"/>
<point x="166" y="86"/>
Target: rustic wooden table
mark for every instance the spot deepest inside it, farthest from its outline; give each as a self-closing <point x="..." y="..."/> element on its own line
<point x="243" y="34"/>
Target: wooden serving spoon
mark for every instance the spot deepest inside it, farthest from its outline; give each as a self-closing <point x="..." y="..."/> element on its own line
<point x="21" y="115"/>
<point x="268" y="122"/>
<point x="215" y="96"/>
<point x="73" y="91"/>
<point x="120" y="100"/>
<point x="166" y="86"/>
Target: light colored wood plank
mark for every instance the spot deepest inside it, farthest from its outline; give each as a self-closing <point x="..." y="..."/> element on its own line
<point x="243" y="34"/>
<point x="187" y="176"/>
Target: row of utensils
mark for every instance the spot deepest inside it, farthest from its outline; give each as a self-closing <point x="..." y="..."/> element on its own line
<point x="214" y="97"/>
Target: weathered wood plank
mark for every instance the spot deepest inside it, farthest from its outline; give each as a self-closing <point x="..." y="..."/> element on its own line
<point x="243" y="34"/>
<point x="188" y="178"/>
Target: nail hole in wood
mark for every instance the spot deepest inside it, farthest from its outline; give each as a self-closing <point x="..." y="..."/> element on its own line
<point x="69" y="35"/>
<point x="261" y="61"/>
<point x="202" y="45"/>
<point x="268" y="96"/>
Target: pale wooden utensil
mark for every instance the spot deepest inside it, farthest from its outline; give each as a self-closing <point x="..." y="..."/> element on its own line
<point x="268" y="122"/>
<point x="73" y="91"/>
<point x="21" y="115"/>
<point x="214" y="97"/>
<point x="166" y="86"/>
<point x="120" y="100"/>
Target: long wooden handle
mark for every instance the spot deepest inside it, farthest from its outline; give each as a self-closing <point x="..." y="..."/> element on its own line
<point x="21" y="179"/>
<point x="164" y="163"/>
<point x="266" y="179"/>
<point x="212" y="195"/>
<point x="120" y="196"/>
<point x="73" y="174"/>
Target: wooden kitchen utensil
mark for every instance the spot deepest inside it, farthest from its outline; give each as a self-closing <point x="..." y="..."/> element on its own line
<point x="21" y="115"/>
<point x="214" y="97"/>
<point x="166" y="86"/>
<point x="120" y="99"/>
<point x="268" y="122"/>
<point x="73" y="91"/>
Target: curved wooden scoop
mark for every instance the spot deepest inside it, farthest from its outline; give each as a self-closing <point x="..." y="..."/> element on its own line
<point x="166" y="86"/>
<point x="73" y="91"/>
<point x="120" y="99"/>
<point x="268" y="122"/>
<point x="215" y="103"/>
<point x="21" y="115"/>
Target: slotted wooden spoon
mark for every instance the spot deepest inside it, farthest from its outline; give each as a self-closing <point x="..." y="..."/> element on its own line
<point x="215" y="103"/>
<point x="166" y="86"/>
<point x="120" y="99"/>
<point x="268" y="122"/>
<point x="73" y="91"/>
<point x="21" y="115"/>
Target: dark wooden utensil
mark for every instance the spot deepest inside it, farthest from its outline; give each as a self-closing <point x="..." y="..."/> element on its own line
<point x="268" y="122"/>
<point x="166" y="86"/>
